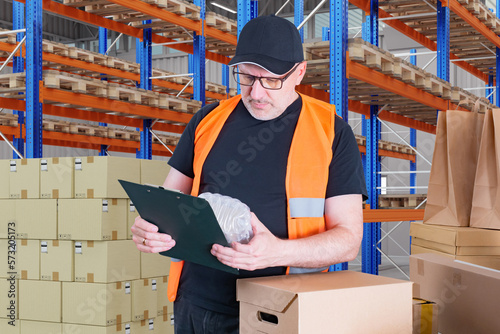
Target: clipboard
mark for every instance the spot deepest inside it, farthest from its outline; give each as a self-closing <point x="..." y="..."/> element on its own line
<point x="188" y="219"/>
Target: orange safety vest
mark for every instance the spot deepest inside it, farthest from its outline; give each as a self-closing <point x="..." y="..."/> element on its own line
<point x="307" y="168"/>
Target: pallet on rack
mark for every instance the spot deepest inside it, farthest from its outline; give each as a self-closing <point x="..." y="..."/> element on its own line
<point x="12" y="84"/>
<point x="178" y="104"/>
<point x="74" y="83"/>
<point x="221" y="22"/>
<point x="409" y="201"/>
<point x="56" y="125"/>
<point x="88" y="56"/>
<point x="386" y="145"/>
<point x="8" y="119"/>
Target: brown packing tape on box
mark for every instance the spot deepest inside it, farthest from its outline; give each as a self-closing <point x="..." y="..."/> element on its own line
<point x="118" y="285"/>
<point x="55" y="276"/>
<point x="90" y="193"/>
<point x="114" y="235"/>
<point x="55" y="193"/>
<point x="55" y="161"/>
<point x="24" y="194"/>
<point x="24" y="162"/>
<point x="24" y="274"/>
<point x="55" y="243"/>
<point x="90" y="243"/>
<point x="90" y="278"/>
<point x="90" y="159"/>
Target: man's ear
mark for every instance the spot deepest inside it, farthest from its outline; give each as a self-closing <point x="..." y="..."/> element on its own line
<point x="301" y="70"/>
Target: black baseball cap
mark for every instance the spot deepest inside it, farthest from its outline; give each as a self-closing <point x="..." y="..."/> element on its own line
<point x="270" y="42"/>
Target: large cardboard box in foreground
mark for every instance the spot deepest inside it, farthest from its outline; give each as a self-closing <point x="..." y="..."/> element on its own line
<point x="24" y="178"/>
<point x="350" y="302"/>
<point x="97" y="177"/>
<point x="106" y="261"/>
<point x="144" y="299"/>
<point x="92" y="219"/>
<point x="57" y="177"/>
<point x="468" y="296"/>
<point x="96" y="304"/>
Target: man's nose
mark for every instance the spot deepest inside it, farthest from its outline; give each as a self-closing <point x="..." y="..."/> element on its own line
<point x="257" y="90"/>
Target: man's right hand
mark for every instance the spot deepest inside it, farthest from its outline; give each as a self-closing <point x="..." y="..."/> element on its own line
<point x="148" y="239"/>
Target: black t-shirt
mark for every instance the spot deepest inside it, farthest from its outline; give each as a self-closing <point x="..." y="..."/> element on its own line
<point x="248" y="162"/>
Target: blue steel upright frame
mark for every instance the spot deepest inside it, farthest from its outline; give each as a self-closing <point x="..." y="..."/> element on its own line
<point x="371" y="231"/>
<point x="338" y="79"/>
<point x="103" y="47"/>
<point x="146" y="150"/>
<point x="18" y="67"/>
<point x="199" y="57"/>
<point x="34" y="141"/>
<point x="413" y="141"/>
<point x="298" y="17"/>
<point x="443" y="41"/>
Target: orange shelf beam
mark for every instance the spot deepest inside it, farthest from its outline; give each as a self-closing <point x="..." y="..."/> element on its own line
<point x="113" y="105"/>
<point x="418" y="37"/>
<point x="391" y="215"/>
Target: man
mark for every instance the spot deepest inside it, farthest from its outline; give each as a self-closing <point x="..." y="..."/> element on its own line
<point x="285" y="155"/>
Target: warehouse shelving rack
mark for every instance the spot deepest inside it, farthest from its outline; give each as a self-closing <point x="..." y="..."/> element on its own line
<point x="340" y="68"/>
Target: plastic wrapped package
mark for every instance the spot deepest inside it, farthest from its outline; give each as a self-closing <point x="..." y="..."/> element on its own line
<point x="233" y="217"/>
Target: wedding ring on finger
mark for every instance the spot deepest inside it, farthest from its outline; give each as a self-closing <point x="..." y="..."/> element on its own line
<point x="144" y="242"/>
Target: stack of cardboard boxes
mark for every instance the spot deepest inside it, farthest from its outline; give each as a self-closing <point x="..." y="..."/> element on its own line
<point x="69" y="264"/>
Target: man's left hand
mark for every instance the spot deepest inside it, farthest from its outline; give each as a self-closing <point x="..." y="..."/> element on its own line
<point x="262" y="251"/>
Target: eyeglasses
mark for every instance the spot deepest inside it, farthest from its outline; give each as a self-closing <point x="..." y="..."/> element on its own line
<point x="266" y="82"/>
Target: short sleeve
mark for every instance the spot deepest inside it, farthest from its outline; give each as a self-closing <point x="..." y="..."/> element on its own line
<point x="346" y="169"/>
<point x="183" y="156"/>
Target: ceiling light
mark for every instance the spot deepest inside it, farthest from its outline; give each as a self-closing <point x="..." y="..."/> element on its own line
<point x="223" y="7"/>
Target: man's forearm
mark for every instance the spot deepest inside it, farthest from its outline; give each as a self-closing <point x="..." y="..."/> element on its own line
<point x="333" y="246"/>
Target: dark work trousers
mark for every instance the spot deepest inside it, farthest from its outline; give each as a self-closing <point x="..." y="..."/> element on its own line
<point x="191" y="319"/>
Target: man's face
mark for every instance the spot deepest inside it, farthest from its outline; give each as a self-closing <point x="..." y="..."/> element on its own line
<point x="265" y="104"/>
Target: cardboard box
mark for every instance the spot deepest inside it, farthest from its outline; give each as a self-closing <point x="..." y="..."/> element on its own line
<point x="8" y="252"/>
<point x="492" y="262"/>
<point x="456" y="236"/>
<point x="456" y="250"/>
<point x="425" y="317"/>
<point x="123" y="328"/>
<point x="28" y="259"/>
<point x="36" y="218"/>
<point x="92" y="219"/>
<point x="40" y="327"/>
<point x="164" y="324"/>
<point x="468" y="296"/>
<point x="131" y="215"/>
<point x="56" y="260"/>
<point x="144" y="299"/>
<point x="8" y="326"/>
<point x="24" y="178"/>
<point x="57" y="177"/>
<point x="154" y="172"/>
<point x="4" y="179"/>
<point x="164" y="305"/>
<point x="154" y="265"/>
<point x="8" y="210"/>
<point x="40" y="300"/>
<point x="9" y="303"/>
<point x="97" y="177"/>
<point x="350" y="302"/>
<point x="106" y="261"/>
<point x="144" y="327"/>
<point x="97" y="304"/>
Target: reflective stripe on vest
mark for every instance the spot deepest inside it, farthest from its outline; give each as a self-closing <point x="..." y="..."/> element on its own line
<point x="306" y="207"/>
<point x="306" y="174"/>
